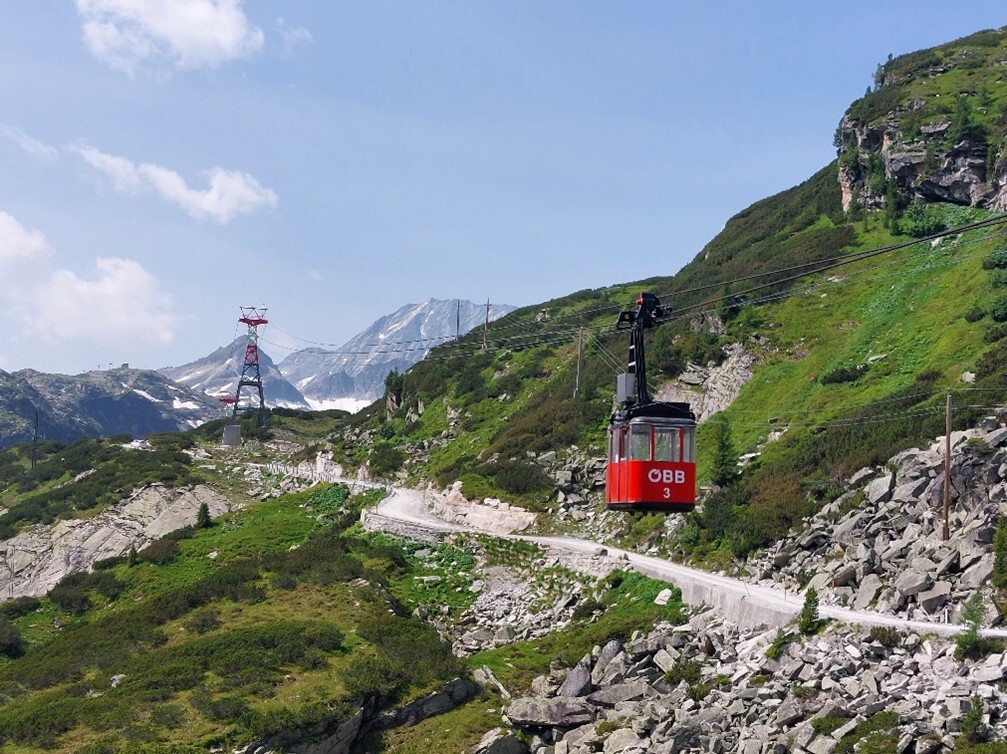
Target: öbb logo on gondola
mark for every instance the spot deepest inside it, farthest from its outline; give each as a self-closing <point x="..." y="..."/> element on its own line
<point x="666" y="476"/>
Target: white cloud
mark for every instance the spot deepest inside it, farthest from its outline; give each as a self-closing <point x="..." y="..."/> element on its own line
<point x="28" y="144"/>
<point x="293" y="37"/>
<point x="122" y="172"/>
<point x="17" y="243"/>
<point x="230" y="192"/>
<point x="122" y="301"/>
<point x="184" y="34"/>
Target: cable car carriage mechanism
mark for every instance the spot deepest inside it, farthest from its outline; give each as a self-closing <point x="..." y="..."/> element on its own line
<point x="651" y="444"/>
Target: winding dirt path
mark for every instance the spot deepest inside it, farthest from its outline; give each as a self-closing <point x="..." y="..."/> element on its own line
<point x="738" y="601"/>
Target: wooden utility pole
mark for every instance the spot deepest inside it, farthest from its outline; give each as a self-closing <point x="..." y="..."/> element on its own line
<point x="947" y="464"/>
<point x="486" y="327"/>
<point x="580" y="359"/>
<point x="34" y="443"/>
<point x="458" y="319"/>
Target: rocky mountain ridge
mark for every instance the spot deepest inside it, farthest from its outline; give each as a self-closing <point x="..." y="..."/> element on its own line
<point x="96" y="404"/>
<point x="357" y="369"/>
<point x="349" y="377"/>
<point x="108" y="402"/>
<point x="217" y="374"/>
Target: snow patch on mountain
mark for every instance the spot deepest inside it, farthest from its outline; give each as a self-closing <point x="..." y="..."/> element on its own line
<point x="218" y="373"/>
<point x="342" y="404"/>
<point x="357" y="369"/>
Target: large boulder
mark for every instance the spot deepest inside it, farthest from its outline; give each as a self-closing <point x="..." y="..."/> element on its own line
<point x="578" y="680"/>
<point x="557" y="712"/>
<point x="500" y="741"/>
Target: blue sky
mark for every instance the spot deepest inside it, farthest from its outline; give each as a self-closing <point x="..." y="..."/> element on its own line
<point x="167" y="161"/>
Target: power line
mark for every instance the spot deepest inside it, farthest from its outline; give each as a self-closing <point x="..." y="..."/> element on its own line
<point x="448" y="347"/>
<point x="837" y="262"/>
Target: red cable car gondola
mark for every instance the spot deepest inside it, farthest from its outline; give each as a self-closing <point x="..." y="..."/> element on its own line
<point x="651" y="444"/>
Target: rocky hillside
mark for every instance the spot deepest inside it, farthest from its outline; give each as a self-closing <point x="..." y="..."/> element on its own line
<point x="96" y="404"/>
<point x="880" y="544"/>
<point x="934" y="129"/>
<point x="41" y="556"/>
<point x="711" y="687"/>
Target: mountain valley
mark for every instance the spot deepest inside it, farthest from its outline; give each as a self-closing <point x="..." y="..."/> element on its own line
<point x="172" y="594"/>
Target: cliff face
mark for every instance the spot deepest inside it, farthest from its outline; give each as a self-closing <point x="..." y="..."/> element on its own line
<point x="932" y="129"/>
<point x="929" y="167"/>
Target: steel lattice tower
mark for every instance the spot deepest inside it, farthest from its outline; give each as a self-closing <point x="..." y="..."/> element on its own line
<point x="252" y="317"/>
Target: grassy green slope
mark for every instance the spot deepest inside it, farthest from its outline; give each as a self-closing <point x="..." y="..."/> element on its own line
<point x="269" y="620"/>
<point x="273" y="619"/>
<point x="924" y="315"/>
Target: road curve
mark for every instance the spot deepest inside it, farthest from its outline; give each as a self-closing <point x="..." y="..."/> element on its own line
<point x="737" y="601"/>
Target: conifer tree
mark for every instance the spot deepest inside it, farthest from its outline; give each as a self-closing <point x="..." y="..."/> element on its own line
<point x="1000" y="554"/>
<point x="969" y="642"/>
<point x="725" y="458"/>
<point x="807" y="620"/>
<point x="203" y="519"/>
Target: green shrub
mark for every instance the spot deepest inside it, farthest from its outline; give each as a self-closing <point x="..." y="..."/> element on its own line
<point x="226" y="708"/>
<point x="203" y="621"/>
<point x="159" y="552"/>
<point x="203" y="520"/>
<point x="370" y="676"/>
<point x="19" y="606"/>
<point x="70" y="597"/>
<point x="11" y="643"/>
<point x="518" y="477"/>
<point x="920" y="220"/>
<point x="843" y="374"/>
<point x="973" y="728"/>
<point x="999" y="310"/>
<point x="825" y="725"/>
<point x="886" y="636"/>
<point x="725" y="457"/>
<point x="719" y="511"/>
<point x="998" y="279"/>
<point x="106" y="564"/>
<point x="997" y="260"/>
<point x="969" y="643"/>
<point x="995" y="334"/>
<point x="587" y="609"/>
<point x="689" y="671"/>
<point x="385" y="459"/>
<point x="404" y="653"/>
<point x="470" y="382"/>
<point x="775" y="650"/>
<point x="974" y="314"/>
<point x="324" y="636"/>
<point x="928" y="376"/>
<point x="999" y="576"/>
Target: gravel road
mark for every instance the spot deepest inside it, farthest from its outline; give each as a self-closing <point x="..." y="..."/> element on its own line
<point x="741" y="602"/>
